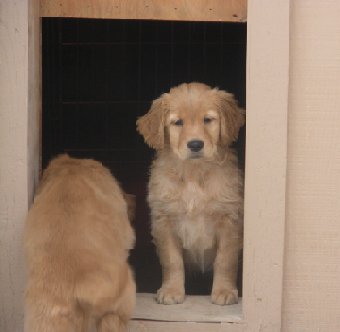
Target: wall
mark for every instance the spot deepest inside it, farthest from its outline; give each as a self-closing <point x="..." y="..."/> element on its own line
<point x="312" y="254"/>
<point x="18" y="145"/>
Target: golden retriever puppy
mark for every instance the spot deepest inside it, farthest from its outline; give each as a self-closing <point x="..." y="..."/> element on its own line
<point x="77" y="240"/>
<point x="195" y="189"/>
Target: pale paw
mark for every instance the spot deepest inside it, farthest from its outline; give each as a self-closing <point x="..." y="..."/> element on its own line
<point x="167" y="295"/>
<point x="224" y="296"/>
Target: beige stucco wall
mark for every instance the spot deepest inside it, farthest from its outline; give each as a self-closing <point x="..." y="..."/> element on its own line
<point x="311" y="300"/>
<point x="18" y="147"/>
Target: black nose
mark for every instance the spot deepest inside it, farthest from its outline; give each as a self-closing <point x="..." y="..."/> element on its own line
<point x="195" y="145"/>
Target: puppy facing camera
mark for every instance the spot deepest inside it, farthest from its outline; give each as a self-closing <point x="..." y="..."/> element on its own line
<point x="195" y="187"/>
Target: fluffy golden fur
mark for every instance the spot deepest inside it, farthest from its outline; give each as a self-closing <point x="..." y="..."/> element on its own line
<point x="77" y="240"/>
<point x="195" y="194"/>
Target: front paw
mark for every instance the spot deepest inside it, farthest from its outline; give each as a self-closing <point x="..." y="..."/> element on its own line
<point x="169" y="295"/>
<point x="224" y="296"/>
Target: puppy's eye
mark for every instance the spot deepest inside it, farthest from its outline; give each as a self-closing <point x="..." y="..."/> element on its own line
<point x="179" y="122"/>
<point x="208" y="120"/>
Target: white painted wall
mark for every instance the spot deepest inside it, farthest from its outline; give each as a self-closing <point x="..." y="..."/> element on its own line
<point x="18" y="117"/>
<point x="312" y="255"/>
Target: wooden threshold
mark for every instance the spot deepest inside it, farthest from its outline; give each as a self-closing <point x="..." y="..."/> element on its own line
<point x="194" y="309"/>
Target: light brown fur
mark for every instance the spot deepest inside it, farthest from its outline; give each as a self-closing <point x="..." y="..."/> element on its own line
<point x="77" y="240"/>
<point x="195" y="197"/>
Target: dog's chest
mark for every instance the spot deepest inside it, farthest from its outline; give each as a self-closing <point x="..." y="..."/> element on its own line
<point x="193" y="227"/>
<point x="192" y="198"/>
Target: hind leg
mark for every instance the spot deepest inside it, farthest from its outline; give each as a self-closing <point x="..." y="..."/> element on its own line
<point x="127" y="300"/>
<point x="117" y="319"/>
<point x="110" y="323"/>
<point x="56" y="318"/>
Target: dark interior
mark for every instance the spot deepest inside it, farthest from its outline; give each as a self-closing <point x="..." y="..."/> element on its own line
<point x="100" y="75"/>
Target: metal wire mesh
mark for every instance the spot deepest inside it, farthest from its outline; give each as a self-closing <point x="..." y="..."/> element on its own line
<point x="100" y="75"/>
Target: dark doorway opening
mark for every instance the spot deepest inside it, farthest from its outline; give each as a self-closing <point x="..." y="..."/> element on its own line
<point x="100" y="75"/>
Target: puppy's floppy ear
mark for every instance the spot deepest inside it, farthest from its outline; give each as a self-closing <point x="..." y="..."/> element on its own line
<point x="232" y="117"/>
<point x="151" y="125"/>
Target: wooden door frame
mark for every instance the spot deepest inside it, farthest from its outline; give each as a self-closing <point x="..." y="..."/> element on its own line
<point x="265" y="175"/>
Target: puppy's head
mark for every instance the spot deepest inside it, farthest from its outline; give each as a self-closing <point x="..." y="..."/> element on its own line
<point x="193" y="120"/>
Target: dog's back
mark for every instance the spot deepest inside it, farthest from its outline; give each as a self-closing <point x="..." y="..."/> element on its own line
<point x="77" y="239"/>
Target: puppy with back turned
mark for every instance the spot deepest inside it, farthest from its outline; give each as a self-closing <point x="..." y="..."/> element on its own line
<point x="77" y="240"/>
<point x="195" y="188"/>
